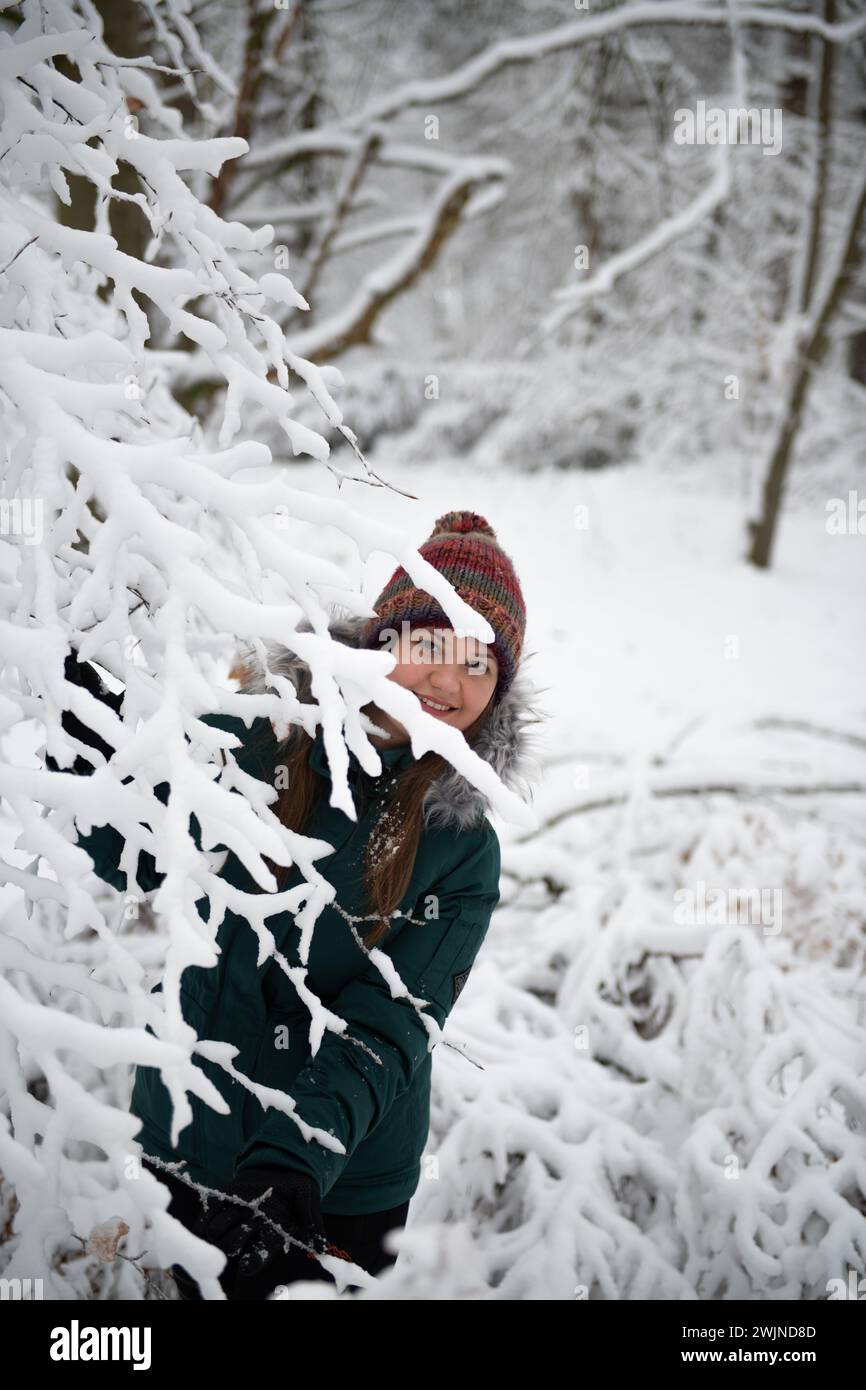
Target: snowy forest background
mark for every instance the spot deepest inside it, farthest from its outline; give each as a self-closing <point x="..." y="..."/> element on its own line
<point x="278" y="285"/>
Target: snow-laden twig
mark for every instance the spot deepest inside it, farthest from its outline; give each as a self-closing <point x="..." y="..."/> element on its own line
<point x="669" y="1107"/>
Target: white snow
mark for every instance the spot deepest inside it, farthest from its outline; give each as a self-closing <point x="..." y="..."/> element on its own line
<point x="653" y="1082"/>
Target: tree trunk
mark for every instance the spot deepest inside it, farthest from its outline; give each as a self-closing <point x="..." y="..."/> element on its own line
<point x="126" y="32"/>
<point x="763" y="531"/>
<point x="814" y="346"/>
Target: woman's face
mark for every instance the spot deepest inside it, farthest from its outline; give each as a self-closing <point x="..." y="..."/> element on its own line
<point x="438" y="666"/>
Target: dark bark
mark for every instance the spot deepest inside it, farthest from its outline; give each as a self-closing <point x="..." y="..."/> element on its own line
<point x="812" y="352"/>
<point x="814" y="342"/>
<point x="127" y="34"/>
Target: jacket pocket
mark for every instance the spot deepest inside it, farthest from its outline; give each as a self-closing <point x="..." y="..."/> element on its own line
<point x="395" y="1145"/>
<point x="447" y="970"/>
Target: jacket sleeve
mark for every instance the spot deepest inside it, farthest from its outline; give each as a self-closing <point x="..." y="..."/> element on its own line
<point x="355" y="1077"/>
<point x="104" y="843"/>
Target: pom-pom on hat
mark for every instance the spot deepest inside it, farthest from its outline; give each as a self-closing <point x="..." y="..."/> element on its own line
<point x="463" y="547"/>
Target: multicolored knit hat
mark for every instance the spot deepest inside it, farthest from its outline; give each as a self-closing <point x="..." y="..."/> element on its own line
<point x="463" y="547"/>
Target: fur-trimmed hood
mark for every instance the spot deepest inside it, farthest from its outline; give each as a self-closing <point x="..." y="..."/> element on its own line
<point x="505" y="741"/>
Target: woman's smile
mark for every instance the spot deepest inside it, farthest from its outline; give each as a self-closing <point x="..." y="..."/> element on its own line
<point x="434" y="706"/>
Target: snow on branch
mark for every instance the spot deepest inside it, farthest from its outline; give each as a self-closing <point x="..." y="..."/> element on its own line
<point x="657" y="239"/>
<point x="506" y="52"/>
<point x="354" y="323"/>
<point x="716" y="782"/>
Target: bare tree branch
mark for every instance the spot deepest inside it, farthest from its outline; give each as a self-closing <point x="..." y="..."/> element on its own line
<point x="822" y="169"/>
<point x="352" y="176"/>
<point x="258" y="21"/>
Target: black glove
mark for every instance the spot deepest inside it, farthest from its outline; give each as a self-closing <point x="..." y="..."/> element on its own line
<point x="250" y="1243"/>
<point x="83" y="674"/>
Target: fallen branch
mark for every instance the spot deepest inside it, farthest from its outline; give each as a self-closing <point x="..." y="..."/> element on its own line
<point x="802" y="726"/>
<point x="741" y="787"/>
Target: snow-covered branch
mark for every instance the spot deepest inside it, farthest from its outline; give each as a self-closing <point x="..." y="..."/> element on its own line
<point x="507" y="52"/>
<point x="133" y="541"/>
<point x="657" y="239"/>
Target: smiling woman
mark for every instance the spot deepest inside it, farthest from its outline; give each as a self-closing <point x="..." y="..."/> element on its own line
<point x="472" y="678"/>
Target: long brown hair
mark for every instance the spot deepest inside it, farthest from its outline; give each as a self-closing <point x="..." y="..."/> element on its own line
<point x="393" y="842"/>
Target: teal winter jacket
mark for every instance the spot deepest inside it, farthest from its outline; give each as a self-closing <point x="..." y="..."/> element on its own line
<point x="369" y="1086"/>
